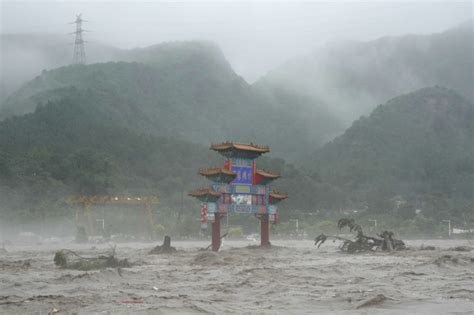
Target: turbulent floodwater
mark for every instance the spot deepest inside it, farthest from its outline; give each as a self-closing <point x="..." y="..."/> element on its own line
<point x="292" y="278"/>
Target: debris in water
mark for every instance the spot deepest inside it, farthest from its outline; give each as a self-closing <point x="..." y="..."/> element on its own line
<point x="207" y="258"/>
<point x="165" y="248"/>
<point x="377" y="300"/>
<point x="423" y="247"/>
<point x="68" y="259"/>
<point x="461" y="249"/>
<point x="15" y="265"/>
<point x="132" y="301"/>
<point x="386" y="242"/>
<point x="210" y="245"/>
<point x="445" y="260"/>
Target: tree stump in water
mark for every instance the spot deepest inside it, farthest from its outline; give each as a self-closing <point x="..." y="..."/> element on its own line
<point x="387" y="241"/>
<point x="165" y="248"/>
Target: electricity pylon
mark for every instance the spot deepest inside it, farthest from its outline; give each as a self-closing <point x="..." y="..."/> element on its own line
<point x="79" y="56"/>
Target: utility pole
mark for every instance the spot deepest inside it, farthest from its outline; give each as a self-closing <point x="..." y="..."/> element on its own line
<point x="296" y="225"/>
<point x="79" y="56"/>
<point x="449" y="227"/>
<point x="372" y="228"/>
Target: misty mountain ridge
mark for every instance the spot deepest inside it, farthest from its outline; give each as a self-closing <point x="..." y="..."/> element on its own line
<point x="350" y="78"/>
<point x="178" y="56"/>
<point x="24" y="56"/>
<point x="186" y="90"/>
<point x="416" y="145"/>
<point x="420" y="60"/>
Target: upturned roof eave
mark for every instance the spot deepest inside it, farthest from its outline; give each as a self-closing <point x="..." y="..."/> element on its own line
<point x="239" y="146"/>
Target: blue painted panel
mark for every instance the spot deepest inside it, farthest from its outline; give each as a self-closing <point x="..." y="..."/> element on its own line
<point x="242" y="162"/>
<point x="244" y="175"/>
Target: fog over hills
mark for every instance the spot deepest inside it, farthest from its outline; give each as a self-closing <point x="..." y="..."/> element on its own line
<point x="186" y="90"/>
<point x="150" y="105"/>
<point x="324" y="92"/>
<point x="25" y="56"/>
<point x="343" y="79"/>
<point x="351" y="78"/>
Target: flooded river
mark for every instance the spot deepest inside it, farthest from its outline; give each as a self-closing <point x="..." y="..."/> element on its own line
<point x="294" y="277"/>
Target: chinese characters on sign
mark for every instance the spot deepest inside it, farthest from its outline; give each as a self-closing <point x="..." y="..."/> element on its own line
<point x="244" y="175"/>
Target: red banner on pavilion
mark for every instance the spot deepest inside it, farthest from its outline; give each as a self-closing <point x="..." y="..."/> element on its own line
<point x="204" y="216"/>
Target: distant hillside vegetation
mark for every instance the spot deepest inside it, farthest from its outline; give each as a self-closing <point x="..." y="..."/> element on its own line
<point x="76" y="146"/>
<point x="416" y="145"/>
<point x="186" y="90"/>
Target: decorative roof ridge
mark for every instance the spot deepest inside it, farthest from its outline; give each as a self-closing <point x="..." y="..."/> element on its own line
<point x="239" y="146"/>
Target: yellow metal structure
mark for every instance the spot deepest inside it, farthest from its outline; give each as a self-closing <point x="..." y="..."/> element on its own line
<point x="84" y="215"/>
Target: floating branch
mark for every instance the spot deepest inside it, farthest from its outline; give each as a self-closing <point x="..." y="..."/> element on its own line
<point x="362" y="242"/>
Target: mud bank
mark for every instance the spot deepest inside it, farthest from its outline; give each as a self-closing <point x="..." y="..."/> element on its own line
<point x="292" y="278"/>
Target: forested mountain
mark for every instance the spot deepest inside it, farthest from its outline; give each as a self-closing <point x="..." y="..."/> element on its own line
<point x="75" y="146"/>
<point x="418" y="146"/>
<point x="351" y="78"/>
<point x="323" y="92"/>
<point x="186" y="90"/>
<point x="143" y="125"/>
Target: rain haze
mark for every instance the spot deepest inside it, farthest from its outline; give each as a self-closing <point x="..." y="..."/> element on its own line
<point x="255" y="36"/>
<point x="236" y="157"/>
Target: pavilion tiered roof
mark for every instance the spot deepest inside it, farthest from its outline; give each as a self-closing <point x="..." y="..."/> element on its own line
<point x="278" y="195"/>
<point x="268" y="174"/>
<point x="213" y="171"/>
<point x="225" y="146"/>
<point x="203" y="192"/>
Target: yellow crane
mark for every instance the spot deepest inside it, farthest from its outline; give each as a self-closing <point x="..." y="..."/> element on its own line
<point x="84" y="213"/>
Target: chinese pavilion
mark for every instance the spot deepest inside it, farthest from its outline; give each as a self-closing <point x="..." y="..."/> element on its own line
<point x="239" y="187"/>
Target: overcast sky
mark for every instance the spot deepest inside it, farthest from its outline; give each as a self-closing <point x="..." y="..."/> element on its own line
<point x="254" y="36"/>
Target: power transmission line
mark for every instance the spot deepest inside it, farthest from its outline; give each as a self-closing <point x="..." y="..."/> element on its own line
<point x="79" y="56"/>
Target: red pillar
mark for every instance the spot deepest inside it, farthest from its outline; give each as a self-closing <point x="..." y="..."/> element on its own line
<point x="216" y="232"/>
<point x="264" y="231"/>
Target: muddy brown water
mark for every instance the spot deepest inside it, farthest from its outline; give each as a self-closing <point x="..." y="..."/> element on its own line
<point x="294" y="277"/>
